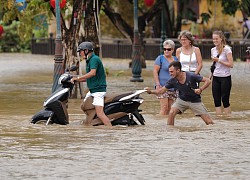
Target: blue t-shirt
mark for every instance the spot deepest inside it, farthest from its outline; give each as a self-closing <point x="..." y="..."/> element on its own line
<point x="163" y="74"/>
<point x="186" y="90"/>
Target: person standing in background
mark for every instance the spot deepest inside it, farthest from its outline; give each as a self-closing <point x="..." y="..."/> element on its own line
<point x="161" y="76"/>
<point x="246" y="28"/>
<point x="222" y="82"/>
<point x="188" y="54"/>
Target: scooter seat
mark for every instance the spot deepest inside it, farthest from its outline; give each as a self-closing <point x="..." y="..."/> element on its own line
<point x="108" y="98"/>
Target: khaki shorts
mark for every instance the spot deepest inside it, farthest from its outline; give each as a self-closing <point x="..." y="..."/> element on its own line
<point x="98" y="98"/>
<point x="198" y="108"/>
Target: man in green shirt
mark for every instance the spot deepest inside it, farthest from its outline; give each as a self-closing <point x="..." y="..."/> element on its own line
<point x="96" y="79"/>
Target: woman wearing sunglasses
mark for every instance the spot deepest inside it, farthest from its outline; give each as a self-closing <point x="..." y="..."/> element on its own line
<point x="161" y="76"/>
<point x="188" y="54"/>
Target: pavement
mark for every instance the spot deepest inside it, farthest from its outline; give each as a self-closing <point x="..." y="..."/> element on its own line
<point x="21" y="62"/>
<point x="16" y="63"/>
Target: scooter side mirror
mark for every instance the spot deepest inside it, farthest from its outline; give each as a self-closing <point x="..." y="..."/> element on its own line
<point x="73" y="68"/>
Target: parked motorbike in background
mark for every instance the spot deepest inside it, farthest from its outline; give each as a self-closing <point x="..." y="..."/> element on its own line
<point x="120" y="108"/>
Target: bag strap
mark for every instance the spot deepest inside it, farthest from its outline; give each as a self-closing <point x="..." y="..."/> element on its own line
<point x="161" y="61"/>
<point x="191" y="57"/>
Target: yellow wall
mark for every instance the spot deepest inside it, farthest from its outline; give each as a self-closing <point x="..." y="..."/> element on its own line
<point x="232" y="24"/>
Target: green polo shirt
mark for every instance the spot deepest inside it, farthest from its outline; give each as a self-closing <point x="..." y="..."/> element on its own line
<point x="96" y="83"/>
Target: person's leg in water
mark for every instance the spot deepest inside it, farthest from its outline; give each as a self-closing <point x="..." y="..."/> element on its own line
<point x="166" y="102"/>
<point x="218" y="111"/>
<point x="225" y="94"/>
<point x="179" y="106"/>
<point x="227" y="110"/>
<point x="216" y="91"/>
<point x="207" y="119"/>
<point x="170" y="102"/>
<point x="200" y="110"/>
<point x="98" y="102"/>
<point x="172" y="113"/>
<point x="102" y="116"/>
<point x="164" y="106"/>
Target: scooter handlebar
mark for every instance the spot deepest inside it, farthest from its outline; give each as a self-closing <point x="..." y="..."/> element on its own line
<point x="65" y="78"/>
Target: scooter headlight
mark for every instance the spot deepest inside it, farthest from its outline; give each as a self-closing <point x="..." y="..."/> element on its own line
<point x="63" y="78"/>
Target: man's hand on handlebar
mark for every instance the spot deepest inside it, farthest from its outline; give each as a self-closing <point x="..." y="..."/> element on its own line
<point x="77" y="79"/>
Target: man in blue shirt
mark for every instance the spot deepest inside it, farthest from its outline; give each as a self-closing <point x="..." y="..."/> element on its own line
<point x="189" y="92"/>
<point x="96" y="79"/>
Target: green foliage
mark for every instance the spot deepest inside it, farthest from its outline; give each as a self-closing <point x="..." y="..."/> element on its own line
<point x="21" y="25"/>
<point x="230" y="6"/>
<point x="11" y="42"/>
<point x="126" y="14"/>
<point x="205" y="17"/>
<point x="244" y="6"/>
<point x="41" y="33"/>
<point x="120" y="73"/>
<point x="29" y="18"/>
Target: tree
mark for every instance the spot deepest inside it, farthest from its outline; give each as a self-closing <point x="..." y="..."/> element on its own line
<point x="87" y="11"/>
<point x="146" y="15"/>
<point x="70" y="25"/>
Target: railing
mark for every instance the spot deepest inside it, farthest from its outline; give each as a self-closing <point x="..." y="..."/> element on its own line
<point x="122" y="48"/>
<point x="43" y="46"/>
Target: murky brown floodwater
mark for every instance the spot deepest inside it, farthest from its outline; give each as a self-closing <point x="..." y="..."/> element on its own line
<point x="190" y="150"/>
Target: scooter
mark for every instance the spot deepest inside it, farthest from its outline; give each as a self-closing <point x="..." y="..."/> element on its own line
<point x="120" y="108"/>
<point x="55" y="106"/>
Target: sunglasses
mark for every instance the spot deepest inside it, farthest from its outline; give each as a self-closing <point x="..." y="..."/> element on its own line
<point x="168" y="49"/>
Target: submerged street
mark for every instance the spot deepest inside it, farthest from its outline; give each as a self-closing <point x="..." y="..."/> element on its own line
<point x="190" y="150"/>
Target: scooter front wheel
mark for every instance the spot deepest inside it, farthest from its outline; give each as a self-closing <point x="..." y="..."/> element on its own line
<point x="42" y="117"/>
<point x="41" y="122"/>
<point x="139" y="117"/>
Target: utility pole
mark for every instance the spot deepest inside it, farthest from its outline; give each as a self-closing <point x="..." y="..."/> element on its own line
<point x="136" y="54"/>
<point x="58" y="64"/>
<point x="163" y="28"/>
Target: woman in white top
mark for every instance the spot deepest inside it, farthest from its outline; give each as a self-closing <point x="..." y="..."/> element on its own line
<point x="222" y="83"/>
<point x="188" y="54"/>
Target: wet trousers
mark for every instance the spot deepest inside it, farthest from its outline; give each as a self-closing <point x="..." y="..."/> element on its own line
<point x="221" y="88"/>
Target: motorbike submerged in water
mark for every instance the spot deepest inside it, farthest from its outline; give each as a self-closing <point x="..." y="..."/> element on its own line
<point x="121" y="109"/>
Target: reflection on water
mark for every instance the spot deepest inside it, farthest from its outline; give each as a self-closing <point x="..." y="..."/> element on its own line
<point x="190" y="150"/>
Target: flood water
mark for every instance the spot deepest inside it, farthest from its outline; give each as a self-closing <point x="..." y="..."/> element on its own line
<point x="189" y="150"/>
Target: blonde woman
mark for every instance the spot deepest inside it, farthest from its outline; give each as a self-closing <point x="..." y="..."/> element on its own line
<point x="161" y="76"/>
<point x="221" y="54"/>
<point x="188" y="54"/>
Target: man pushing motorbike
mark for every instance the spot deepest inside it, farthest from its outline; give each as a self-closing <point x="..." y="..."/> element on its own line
<point x="189" y="93"/>
<point x="96" y="79"/>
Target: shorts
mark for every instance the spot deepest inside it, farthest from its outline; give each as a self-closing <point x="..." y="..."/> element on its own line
<point x="197" y="107"/>
<point x="168" y="94"/>
<point x="98" y="98"/>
